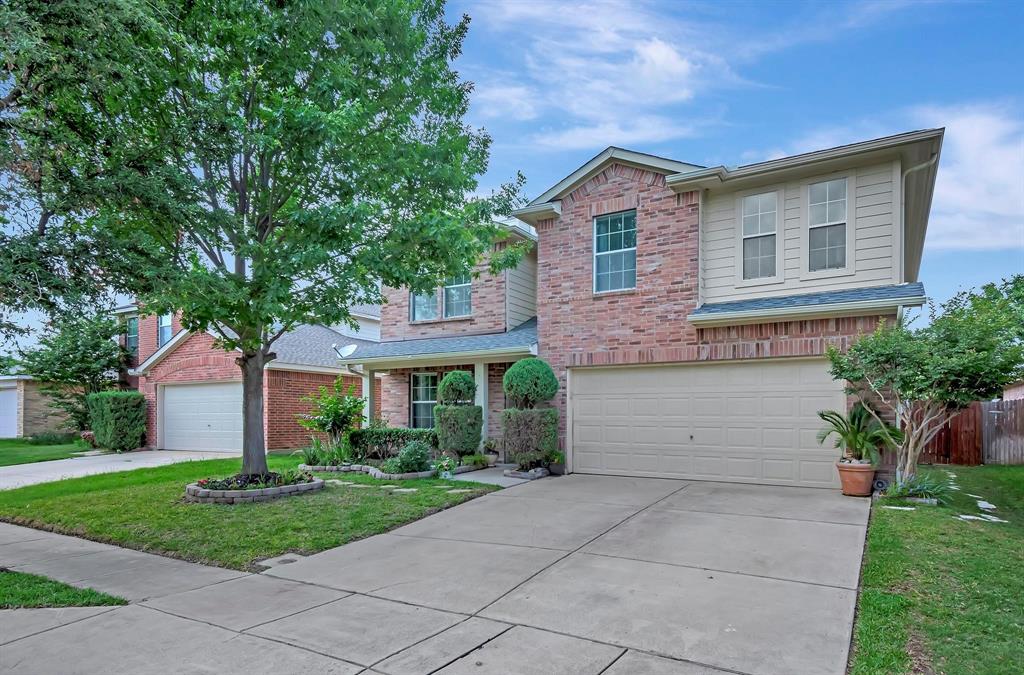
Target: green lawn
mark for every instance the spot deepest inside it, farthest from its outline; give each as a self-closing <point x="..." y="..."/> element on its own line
<point x="18" y="590"/>
<point x="942" y="595"/>
<point x="144" y="510"/>
<point x="19" y="451"/>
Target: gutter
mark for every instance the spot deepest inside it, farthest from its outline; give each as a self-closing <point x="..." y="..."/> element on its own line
<point x="752" y="315"/>
<point x="538" y="212"/>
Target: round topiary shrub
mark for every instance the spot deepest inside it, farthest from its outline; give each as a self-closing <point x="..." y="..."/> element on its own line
<point x="529" y="382"/>
<point x="457" y="387"/>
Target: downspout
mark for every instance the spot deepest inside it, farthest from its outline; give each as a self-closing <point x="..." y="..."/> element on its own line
<point x="903" y="206"/>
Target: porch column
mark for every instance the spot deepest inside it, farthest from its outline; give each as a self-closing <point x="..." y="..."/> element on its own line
<point x="369" y="393"/>
<point x="480" y="375"/>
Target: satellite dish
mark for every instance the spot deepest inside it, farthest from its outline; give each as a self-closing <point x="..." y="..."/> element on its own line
<point x="345" y="351"/>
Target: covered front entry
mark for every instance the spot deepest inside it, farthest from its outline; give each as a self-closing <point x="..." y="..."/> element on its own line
<point x="202" y="417"/>
<point x="737" y="421"/>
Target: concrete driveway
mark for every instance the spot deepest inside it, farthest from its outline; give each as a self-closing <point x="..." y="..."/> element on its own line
<point x="45" y="472"/>
<point x="578" y="575"/>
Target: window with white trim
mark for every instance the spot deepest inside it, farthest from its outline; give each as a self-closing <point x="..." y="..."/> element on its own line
<point x="423" y="398"/>
<point x="131" y="336"/>
<point x="423" y="306"/>
<point x="826" y="220"/>
<point x="760" y="219"/>
<point x="163" y="330"/>
<point x="458" y="300"/>
<point x="615" y="252"/>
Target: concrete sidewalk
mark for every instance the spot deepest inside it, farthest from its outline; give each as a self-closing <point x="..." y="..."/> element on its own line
<point x="46" y="472"/>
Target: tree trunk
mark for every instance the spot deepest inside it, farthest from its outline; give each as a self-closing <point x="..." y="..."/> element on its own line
<point x="254" y="454"/>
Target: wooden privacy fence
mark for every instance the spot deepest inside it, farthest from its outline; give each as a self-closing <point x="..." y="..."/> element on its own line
<point x="988" y="432"/>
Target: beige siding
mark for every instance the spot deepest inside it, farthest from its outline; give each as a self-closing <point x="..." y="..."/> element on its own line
<point x="521" y="303"/>
<point x="874" y="213"/>
<point x="38" y="414"/>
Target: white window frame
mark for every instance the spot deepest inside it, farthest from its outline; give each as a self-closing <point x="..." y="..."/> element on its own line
<point x="412" y="307"/>
<point x="595" y="254"/>
<point x="444" y="299"/>
<point x="413" y="401"/>
<point x="780" y="233"/>
<point x="160" y="326"/>
<point x="127" y="322"/>
<point x="806" y="227"/>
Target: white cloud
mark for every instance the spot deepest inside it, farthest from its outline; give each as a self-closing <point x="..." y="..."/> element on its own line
<point x="645" y="129"/>
<point x="512" y="101"/>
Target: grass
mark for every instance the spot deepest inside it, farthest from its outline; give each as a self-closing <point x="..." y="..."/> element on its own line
<point x="18" y="590"/>
<point x="942" y="595"/>
<point x="19" y="451"/>
<point x="144" y="509"/>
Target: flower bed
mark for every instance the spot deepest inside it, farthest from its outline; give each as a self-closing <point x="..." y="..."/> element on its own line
<point x="377" y="473"/>
<point x="241" y="489"/>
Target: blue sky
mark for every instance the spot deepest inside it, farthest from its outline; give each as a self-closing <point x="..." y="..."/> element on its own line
<point x="731" y="83"/>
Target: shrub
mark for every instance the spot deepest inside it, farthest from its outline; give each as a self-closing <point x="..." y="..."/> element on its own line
<point x="458" y="427"/>
<point x="377" y="442"/>
<point x="391" y="465"/>
<point x="529" y="382"/>
<point x="922" y="486"/>
<point x="479" y="461"/>
<point x="457" y="387"/>
<point x="89" y="438"/>
<point x="314" y="455"/>
<point x="531" y="436"/>
<point x="333" y="411"/>
<point x="415" y="456"/>
<point x="118" y="418"/>
<point x="52" y="438"/>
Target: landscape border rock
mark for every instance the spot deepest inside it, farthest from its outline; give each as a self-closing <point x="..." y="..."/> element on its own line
<point x="201" y="495"/>
<point x="377" y="473"/>
<point x="532" y="474"/>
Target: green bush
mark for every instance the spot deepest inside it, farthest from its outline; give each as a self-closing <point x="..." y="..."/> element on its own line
<point x="376" y="442"/>
<point x="415" y="456"/>
<point x="53" y="438"/>
<point x="118" y="418"/>
<point x="334" y="411"/>
<point x="529" y="382"/>
<point x="531" y="436"/>
<point x="458" y="427"/>
<point x="457" y="387"/>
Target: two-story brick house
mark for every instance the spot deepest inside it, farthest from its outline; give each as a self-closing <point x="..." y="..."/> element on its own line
<point x="194" y="389"/>
<point x="687" y="310"/>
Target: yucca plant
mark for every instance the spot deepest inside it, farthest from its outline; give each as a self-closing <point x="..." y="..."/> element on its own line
<point x="858" y="433"/>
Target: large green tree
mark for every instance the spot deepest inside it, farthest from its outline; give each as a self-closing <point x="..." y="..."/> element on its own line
<point x="76" y="356"/>
<point x="268" y="164"/>
<point x="922" y="378"/>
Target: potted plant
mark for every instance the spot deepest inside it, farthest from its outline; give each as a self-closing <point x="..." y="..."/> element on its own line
<point x="444" y="466"/>
<point x="556" y="464"/>
<point x="491" y="451"/>
<point x="859" y="434"/>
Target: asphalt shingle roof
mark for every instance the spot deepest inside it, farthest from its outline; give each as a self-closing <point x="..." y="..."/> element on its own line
<point x="524" y="335"/>
<point x="894" y="293"/>
<point x="311" y="346"/>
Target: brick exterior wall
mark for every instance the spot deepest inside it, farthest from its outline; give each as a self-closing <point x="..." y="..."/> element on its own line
<point x="37" y="413"/>
<point x="648" y="324"/>
<point x="148" y="335"/>
<point x="488" y="311"/>
<point x="283" y="391"/>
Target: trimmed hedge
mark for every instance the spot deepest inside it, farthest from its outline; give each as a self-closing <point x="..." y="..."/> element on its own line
<point x="458" y="427"/>
<point x="118" y="419"/>
<point x="531" y="435"/>
<point x="528" y="382"/>
<point x="383" y="442"/>
<point x="457" y="387"/>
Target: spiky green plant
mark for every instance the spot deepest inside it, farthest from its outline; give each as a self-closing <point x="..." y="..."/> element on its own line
<point x="858" y="433"/>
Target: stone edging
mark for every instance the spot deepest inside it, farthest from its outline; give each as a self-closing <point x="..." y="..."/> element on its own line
<point x="532" y="474"/>
<point x="194" y="493"/>
<point x="377" y="473"/>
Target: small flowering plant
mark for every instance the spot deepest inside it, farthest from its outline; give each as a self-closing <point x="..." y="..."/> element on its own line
<point x="444" y="466"/>
<point x="255" y="482"/>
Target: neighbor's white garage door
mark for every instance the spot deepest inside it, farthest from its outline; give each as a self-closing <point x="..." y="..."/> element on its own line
<point x="750" y="422"/>
<point x="8" y="412"/>
<point x="202" y="417"/>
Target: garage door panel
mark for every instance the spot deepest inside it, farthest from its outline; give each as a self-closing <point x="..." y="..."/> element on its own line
<point x="8" y="412"/>
<point x="751" y="422"/>
<point x="202" y="417"/>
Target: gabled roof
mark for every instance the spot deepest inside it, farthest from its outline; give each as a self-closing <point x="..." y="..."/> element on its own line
<point x="521" y="340"/>
<point x="859" y="300"/>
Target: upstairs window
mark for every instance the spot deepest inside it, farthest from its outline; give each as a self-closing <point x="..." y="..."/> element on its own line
<point x="458" y="297"/>
<point x="131" y="336"/>
<point x="615" y="252"/>
<point x="760" y="221"/>
<point x="424" y="306"/>
<point x="423" y="398"/>
<point x="163" y="330"/>
<point x="826" y="237"/>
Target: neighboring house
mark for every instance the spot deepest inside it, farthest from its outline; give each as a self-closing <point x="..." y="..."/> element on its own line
<point x="194" y="389"/>
<point x="1014" y="392"/>
<point x="686" y="310"/>
<point x="25" y="410"/>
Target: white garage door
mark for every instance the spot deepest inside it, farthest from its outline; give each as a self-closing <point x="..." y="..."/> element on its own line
<point x="750" y="422"/>
<point x="202" y="417"/>
<point x="8" y="412"/>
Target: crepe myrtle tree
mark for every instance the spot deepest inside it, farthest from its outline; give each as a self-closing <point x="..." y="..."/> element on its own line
<point x="268" y="164"/>
<point x="971" y="349"/>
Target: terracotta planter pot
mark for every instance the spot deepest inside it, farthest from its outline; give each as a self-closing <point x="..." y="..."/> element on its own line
<point x="856" y="479"/>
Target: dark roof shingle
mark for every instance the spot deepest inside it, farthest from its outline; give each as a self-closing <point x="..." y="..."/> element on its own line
<point x="524" y="335"/>
<point x="894" y="293"/>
